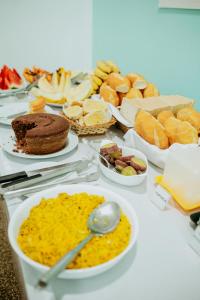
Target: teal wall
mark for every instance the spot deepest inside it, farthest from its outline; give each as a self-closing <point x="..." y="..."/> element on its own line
<point x="161" y="44"/>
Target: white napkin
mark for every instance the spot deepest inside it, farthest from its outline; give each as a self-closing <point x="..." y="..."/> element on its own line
<point x="154" y="154"/>
<point x="116" y="113"/>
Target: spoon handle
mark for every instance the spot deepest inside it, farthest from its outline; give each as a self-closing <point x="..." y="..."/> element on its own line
<point x="62" y="263"/>
<point x="97" y="152"/>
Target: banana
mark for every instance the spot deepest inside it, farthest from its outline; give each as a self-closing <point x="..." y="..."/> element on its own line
<point x="100" y="74"/>
<point x="113" y="66"/>
<point x="94" y="86"/>
<point x="104" y="67"/>
<point x="93" y="92"/>
<point x="97" y="80"/>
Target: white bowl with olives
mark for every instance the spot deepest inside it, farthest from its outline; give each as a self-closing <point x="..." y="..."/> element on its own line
<point x="126" y="166"/>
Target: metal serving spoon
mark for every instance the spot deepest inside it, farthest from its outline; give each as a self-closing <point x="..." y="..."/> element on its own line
<point x="102" y="220"/>
<point x="104" y="160"/>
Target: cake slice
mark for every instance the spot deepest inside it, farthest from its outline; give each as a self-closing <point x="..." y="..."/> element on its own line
<point x="40" y="133"/>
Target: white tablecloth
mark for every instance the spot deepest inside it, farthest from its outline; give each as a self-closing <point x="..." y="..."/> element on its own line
<point x="162" y="266"/>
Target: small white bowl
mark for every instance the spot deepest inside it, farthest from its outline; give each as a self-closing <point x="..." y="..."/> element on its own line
<point x="22" y="212"/>
<point x="122" y="179"/>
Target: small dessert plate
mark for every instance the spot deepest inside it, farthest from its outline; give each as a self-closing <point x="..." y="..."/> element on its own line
<point x="9" y="145"/>
<point x="119" y="178"/>
<point x="16" y="109"/>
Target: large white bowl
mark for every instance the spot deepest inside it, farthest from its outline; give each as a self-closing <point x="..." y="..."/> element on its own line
<point x="119" y="178"/>
<point x="23" y="210"/>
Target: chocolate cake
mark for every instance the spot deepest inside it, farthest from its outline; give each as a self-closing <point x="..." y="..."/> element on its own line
<point x="40" y="133"/>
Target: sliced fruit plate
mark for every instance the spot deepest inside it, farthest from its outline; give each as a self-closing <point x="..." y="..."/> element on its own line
<point x="63" y="86"/>
<point x="9" y="79"/>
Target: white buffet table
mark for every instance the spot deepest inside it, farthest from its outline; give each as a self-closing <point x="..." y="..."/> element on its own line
<point x="162" y="267"/>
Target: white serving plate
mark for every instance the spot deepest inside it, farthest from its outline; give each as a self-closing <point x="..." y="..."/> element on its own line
<point x="21" y="88"/>
<point x="9" y="144"/>
<point x="16" y="108"/>
<point x="117" y="177"/>
<point x="23" y="210"/>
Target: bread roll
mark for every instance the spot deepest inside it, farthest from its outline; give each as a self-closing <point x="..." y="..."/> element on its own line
<point x="151" y="130"/>
<point x="109" y="95"/>
<point x="190" y="115"/>
<point x="73" y="112"/>
<point x="133" y="77"/>
<point x="171" y="125"/>
<point x="37" y="105"/>
<point x="180" y="131"/>
<point x="151" y="91"/>
<point x="121" y="97"/>
<point x="140" y="84"/>
<point x="164" y="115"/>
<point x="90" y="106"/>
<point x="137" y="81"/>
<point x="95" y="118"/>
<point x="118" y="82"/>
<point x="134" y="93"/>
<point x="187" y="134"/>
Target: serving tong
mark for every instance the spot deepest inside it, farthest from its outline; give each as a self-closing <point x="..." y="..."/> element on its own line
<point x="78" y="78"/>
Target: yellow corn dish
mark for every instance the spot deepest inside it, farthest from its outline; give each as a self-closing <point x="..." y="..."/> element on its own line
<point x="56" y="225"/>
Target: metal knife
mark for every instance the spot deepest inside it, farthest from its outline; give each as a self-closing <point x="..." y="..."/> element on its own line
<point x="42" y="174"/>
<point x="29" y="190"/>
<point x="25" y="174"/>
